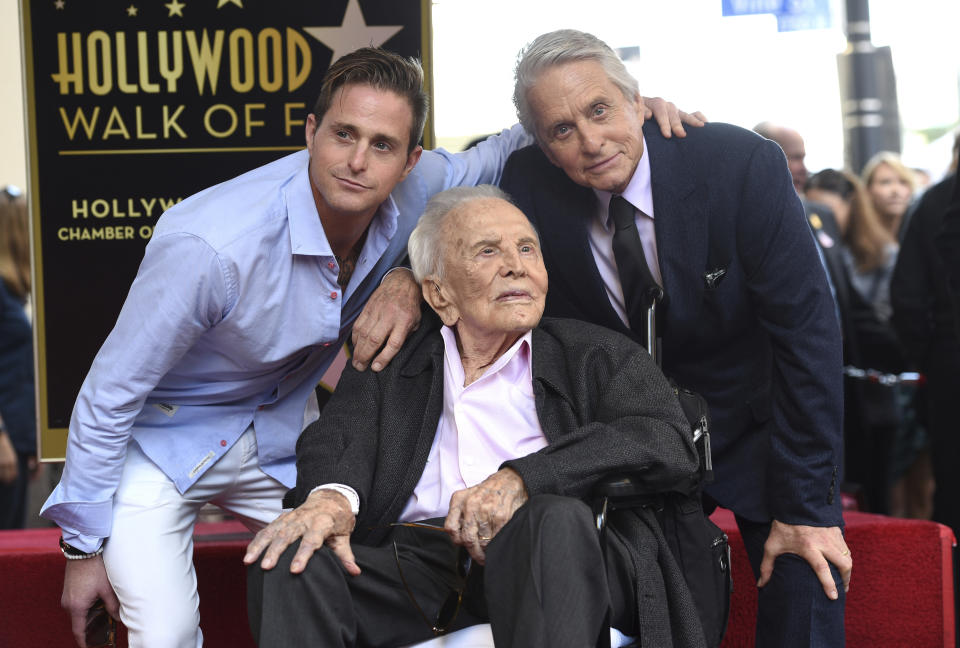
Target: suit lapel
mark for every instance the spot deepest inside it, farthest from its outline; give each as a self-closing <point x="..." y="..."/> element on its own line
<point x="682" y="230"/>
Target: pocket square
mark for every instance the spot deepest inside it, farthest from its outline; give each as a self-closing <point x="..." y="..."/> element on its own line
<point x="713" y="278"/>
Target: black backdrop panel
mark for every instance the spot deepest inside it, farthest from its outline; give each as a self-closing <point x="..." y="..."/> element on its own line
<point x="135" y="105"/>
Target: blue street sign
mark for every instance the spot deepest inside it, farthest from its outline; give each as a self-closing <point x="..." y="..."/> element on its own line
<point x="804" y="14"/>
<point x="791" y="15"/>
<point x="750" y="7"/>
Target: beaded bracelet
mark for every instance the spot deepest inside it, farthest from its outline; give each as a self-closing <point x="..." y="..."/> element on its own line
<point x="72" y="553"/>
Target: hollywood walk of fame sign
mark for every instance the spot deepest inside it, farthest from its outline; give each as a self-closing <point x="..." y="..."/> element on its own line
<point x="133" y="106"/>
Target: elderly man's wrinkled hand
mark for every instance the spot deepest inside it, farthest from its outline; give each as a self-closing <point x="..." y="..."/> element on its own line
<point x="816" y="545"/>
<point x="324" y="518"/>
<point x="477" y="514"/>
<point x="669" y="118"/>
<point x="391" y="313"/>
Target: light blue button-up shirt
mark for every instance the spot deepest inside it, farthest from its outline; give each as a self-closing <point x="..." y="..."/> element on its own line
<point x="233" y="317"/>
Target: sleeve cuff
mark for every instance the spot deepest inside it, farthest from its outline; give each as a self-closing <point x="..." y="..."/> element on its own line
<point x="346" y="491"/>
<point x="392" y="270"/>
<point x="85" y="543"/>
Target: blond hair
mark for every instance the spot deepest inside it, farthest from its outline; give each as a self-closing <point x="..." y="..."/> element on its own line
<point x="893" y="161"/>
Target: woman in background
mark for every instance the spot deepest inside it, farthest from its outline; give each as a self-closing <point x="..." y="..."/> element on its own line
<point x="18" y="427"/>
<point x="870" y="248"/>
<point x="891" y="186"/>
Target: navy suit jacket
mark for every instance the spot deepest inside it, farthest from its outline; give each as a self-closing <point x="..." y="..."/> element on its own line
<point x="761" y="344"/>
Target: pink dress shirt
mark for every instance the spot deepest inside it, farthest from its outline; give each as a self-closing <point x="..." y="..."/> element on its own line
<point x="482" y="425"/>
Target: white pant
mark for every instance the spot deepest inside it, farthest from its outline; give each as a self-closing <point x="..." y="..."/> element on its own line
<point x="149" y="554"/>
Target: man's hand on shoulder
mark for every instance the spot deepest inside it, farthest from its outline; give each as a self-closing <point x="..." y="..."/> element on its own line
<point x="389" y="316"/>
<point x="669" y="118"/>
<point x="324" y="518"/>
<point x="816" y="545"/>
<point x="84" y="582"/>
<point x="478" y="513"/>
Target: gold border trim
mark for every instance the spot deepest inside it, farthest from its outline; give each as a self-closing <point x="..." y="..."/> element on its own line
<point x="426" y="60"/>
<point x="209" y="149"/>
<point x="51" y="442"/>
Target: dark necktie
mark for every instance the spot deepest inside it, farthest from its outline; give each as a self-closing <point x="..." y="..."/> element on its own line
<point x="638" y="283"/>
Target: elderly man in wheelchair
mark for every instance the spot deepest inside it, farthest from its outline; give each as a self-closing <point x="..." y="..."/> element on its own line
<point x="452" y="488"/>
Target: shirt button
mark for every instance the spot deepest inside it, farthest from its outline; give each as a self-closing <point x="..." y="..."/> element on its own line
<point x="333" y="295"/>
<point x="223" y="442"/>
<point x="331" y="265"/>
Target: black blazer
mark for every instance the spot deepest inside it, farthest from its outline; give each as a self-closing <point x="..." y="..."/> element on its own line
<point x="920" y="291"/>
<point x="602" y="404"/>
<point x="761" y="343"/>
<point x="948" y="242"/>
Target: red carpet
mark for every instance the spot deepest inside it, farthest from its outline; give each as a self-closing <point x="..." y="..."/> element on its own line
<point x="31" y="580"/>
<point x="901" y="593"/>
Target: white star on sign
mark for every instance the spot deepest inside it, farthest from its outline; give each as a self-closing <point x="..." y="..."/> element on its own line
<point x="353" y="33"/>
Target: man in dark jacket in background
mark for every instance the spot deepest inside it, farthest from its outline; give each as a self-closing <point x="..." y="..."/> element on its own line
<point x="925" y="316"/>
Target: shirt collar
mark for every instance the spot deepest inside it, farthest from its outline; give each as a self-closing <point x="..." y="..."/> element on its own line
<point x="516" y="359"/>
<point x="638" y="192"/>
<point x="306" y="231"/>
<point x="384" y="223"/>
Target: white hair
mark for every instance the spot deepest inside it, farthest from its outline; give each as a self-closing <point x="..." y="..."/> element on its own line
<point x="560" y="47"/>
<point x="425" y="245"/>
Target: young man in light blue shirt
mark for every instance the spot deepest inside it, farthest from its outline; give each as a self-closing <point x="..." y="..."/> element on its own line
<point x="245" y="294"/>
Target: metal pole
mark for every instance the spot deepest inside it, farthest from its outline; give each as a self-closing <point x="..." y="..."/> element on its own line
<point x="867" y="90"/>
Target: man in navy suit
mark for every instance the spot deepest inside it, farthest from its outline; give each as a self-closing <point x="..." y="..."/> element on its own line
<point x="748" y="320"/>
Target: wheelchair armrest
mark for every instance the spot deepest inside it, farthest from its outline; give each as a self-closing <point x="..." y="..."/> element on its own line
<point x="622" y="491"/>
<point x="621" y="487"/>
<point x="628" y="491"/>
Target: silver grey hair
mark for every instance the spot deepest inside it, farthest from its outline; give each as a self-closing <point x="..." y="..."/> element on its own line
<point x="559" y="47"/>
<point x="425" y="244"/>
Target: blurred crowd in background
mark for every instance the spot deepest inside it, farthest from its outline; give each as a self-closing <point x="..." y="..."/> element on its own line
<point x="876" y="232"/>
